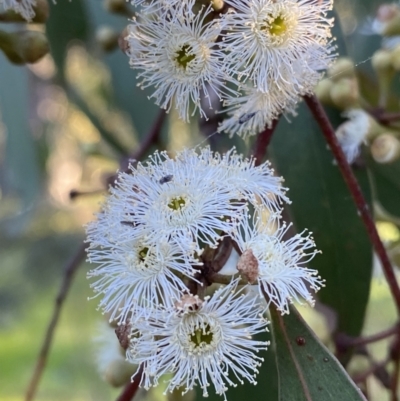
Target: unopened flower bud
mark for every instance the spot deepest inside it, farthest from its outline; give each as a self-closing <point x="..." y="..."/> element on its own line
<point x="117" y="7"/>
<point x="107" y="38"/>
<point x="119" y="372"/>
<point x="122" y="42"/>
<point x="181" y="394"/>
<point x="342" y="68"/>
<point x="395" y="58"/>
<point x="323" y="91"/>
<point x="345" y="93"/>
<point x="389" y="16"/>
<point x="382" y="64"/>
<point x="217" y="5"/>
<point x="24" y="47"/>
<point x="385" y="148"/>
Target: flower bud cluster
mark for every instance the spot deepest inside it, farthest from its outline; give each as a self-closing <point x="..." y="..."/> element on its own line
<point x="340" y="89"/>
<point x="256" y="56"/>
<point x="163" y="236"/>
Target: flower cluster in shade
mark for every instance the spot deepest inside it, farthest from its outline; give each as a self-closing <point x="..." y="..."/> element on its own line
<point x="150" y="242"/>
<point x="23" y="7"/>
<point x="256" y="56"/>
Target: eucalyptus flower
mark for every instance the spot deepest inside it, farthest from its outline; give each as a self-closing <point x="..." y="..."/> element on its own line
<point x="203" y="344"/>
<point x="177" y="55"/>
<point x="284" y="42"/>
<point x="281" y="261"/>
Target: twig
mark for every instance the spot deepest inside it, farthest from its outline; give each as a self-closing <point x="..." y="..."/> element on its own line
<point x="131" y="388"/>
<point x="322" y="119"/>
<point x="345" y="341"/>
<point x="151" y="138"/>
<point x="70" y="270"/>
<point x="371" y="370"/>
<point x="262" y="142"/>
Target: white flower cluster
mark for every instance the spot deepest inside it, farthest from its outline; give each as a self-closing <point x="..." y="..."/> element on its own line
<point x="23" y="7"/>
<point x="257" y="56"/>
<point x="152" y="243"/>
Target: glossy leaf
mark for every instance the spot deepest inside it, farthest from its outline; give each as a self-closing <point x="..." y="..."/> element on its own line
<point x="323" y="204"/>
<point x="307" y="370"/>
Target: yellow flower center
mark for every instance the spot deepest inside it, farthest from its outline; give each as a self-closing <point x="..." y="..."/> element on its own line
<point x="202" y="337"/>
<point x="177" y="203"/>
<point x="184" y="56"/>
<point x="277" y="26"/>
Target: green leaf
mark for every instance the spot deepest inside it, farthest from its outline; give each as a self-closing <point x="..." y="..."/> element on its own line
<point x="68" y="21"/>
<point x="21" y="169"/>
<point x="267" y="381"/>
<point x="127" y="96"/>
<point x="307" y="370"/>
<point x="323" y="204"/>
<point x="386" y="183"/>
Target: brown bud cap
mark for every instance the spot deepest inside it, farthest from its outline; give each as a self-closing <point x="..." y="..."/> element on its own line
<point x="387" y="11"/>
<point x="123" y="333"/>
<point x="122" y="42"/>
<point x="248" y="266"/>
<point x="117" y="7"/>
<point x="385" y="148"/>
<point x="188" y="303"/>
<point x="107" y="38"/>
<point x="323" y="91"/>
<point x="24" y="47"/>
<point x="345" y="93"/>
<point x="342" y="68"/>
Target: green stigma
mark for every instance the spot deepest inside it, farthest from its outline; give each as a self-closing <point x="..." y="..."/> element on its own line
<point x="202" y="336"/>
<point x="143" y="253"/>
<point x="183" y="56"/>
<point x="177" y="203"/>
<point x="276" y="26"/>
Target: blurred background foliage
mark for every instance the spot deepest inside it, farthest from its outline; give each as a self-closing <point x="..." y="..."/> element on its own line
<point x="66" y="124"/>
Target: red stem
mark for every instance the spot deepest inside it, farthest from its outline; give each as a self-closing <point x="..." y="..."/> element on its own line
<point x="322" y="119"/>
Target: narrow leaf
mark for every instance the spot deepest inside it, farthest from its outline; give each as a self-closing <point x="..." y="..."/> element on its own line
<point x="307" y="370"/>
<point x="323" y="204"/>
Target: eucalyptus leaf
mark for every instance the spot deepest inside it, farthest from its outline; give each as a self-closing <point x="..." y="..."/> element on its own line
<point x="386" y="182"/>
<point x="69" y="21"/>
<point x="20" y="168"/>
<point x="322" y="203"/>
<point x="307" y="370"/>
